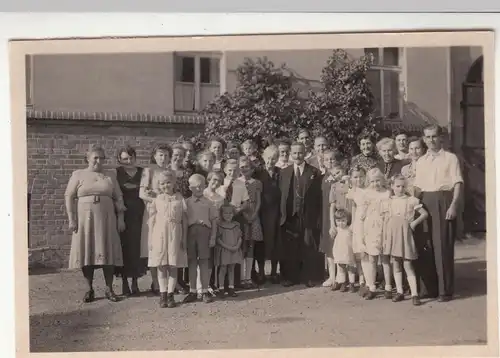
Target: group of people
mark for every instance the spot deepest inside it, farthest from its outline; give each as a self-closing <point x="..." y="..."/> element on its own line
<point x="204" y="224"/>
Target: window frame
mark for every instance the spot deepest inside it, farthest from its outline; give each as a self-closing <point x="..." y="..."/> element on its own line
<point x="197" y="84"/>
<point x="400" y="69"/>
<point x="28" y="72"/>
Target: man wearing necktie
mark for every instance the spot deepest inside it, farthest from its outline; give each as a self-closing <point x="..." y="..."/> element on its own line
<point x="300" y="186"/>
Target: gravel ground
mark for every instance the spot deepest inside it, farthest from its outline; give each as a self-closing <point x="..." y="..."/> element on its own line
<point x="274" y="317"/>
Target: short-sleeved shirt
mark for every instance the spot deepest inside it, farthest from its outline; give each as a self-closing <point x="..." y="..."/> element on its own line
<point x="200" y="211"/>
<point x="437" y="171"/>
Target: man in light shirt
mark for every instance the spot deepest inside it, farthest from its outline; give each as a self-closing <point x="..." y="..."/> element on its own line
<point x="438" y="181"/>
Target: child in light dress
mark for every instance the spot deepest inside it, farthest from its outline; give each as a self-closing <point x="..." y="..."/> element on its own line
<point x="250" y="150"/>
<point x="252" y="229"/>
<point x="400" y="224"/>
<point x="168" y="240"/>
<point x="148" y="190"/>
<point x="228" y="249"/>
<point x="357" y="178"/>
<point x="215" y="180"/>
<point x="373" y="223"/>
<point x="342" y="252"/>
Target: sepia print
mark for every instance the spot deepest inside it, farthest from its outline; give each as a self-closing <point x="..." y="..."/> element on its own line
<point x="255" y="192"/>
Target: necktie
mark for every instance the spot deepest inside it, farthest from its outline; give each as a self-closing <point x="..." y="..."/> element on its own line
<point x="387" y="168"/>
<point x="229" y="191"/>
<point x="298" y="194"/>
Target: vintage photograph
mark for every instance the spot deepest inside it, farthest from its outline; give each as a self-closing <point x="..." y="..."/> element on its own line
<point x="252" y="199"/>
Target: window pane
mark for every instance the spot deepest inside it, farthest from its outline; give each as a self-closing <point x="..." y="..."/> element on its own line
<point x="391" y="56"/>
<point x="373" y="78"/>
<point x="184" y="69"/>
<point x="374" y="52"/>
<point x="391" y="93"/>
<point x="205" y="70"/>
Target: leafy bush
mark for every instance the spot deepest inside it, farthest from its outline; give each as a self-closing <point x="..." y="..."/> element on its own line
<point x="344" y="108"/>
<point x="267" y="104"/>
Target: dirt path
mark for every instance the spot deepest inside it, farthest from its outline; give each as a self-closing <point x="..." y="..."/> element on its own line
<point x="274" y="317"/>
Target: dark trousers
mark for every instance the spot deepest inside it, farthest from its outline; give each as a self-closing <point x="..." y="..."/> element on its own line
<point x="300" y="256"/>
<point x="442" y="233"/>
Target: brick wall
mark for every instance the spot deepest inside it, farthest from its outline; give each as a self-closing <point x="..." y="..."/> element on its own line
<point x="55" y="148"/>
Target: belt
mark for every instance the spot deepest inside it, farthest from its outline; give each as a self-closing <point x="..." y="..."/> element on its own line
<point x="92" y="198"/>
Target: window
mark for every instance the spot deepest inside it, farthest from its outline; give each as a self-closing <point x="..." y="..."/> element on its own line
<point x="385" y="79"/>
<point x="197" y="81"/>
<point x="29" y="80"/>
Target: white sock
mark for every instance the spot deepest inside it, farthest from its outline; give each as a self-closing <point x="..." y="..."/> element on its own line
<point x="398" y="277"/>
<point x="412" y="281"/>
<point x="248" y="268"/>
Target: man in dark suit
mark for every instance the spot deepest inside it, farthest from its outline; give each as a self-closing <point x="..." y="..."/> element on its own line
<point x="300" y="186"/>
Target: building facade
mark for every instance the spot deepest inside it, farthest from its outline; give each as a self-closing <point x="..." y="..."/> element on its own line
<point x="145" y="98"/>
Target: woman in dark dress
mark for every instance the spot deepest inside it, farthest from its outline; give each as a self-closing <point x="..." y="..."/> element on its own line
<point x="270" y="211"/>
<point x="129" y="178"/>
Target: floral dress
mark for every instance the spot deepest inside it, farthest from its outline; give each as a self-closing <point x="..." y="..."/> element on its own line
<point x="98" y="197"/>
<point x="373" y="224"/>
<point x="165" y="244"/>
<point x="252" y="231"/>
<point x="398" y="236"/>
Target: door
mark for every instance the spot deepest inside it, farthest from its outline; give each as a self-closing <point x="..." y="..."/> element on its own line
<point x="474" y="157"/>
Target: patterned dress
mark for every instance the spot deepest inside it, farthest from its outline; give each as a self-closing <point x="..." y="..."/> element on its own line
<point x="166" y="231"/>
<point x="98" y="197"/>
<point x="398" y="236"/>
<point x="252" y="231"/>
<point x="228" y="233"/>
<point x="374" y="220"/>
<point x="133" y="265"/>
<point x="342" y="247"/>
<point x="365" y="162"/>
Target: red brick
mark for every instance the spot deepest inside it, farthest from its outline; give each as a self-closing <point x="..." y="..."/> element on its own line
<point x="56" y="150"/>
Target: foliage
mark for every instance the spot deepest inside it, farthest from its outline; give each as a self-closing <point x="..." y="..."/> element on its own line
<point x="344" y="107"/>
<point x="264" y="104"/>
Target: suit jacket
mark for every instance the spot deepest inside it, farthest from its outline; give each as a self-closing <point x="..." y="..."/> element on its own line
<point x="311" y="208"/>
<point x="396" y="167"/>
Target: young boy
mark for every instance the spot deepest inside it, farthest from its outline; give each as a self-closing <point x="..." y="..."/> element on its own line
<point x="235" y="192"/>
<point x="206" y="162"/>
<point x="202" y="230"/>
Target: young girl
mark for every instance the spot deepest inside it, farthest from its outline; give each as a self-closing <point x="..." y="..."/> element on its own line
<point x="284" y="155"/>
<point x="233" y="151"/>
<point x="250" y="150"/>
<point x="342" y="251"/>
<point x="252" y="229"/>
<point x="400" y="220"/>
<point x="228" y="249"/>
<point x="168" y="240"/>
<point x="216" y="146"/>
<point x="215" y="180"/>
<point x="373" y="223"/>
<point x="148" y="190"/>
<point x="327" y="235"/>
<point x="356" y="195"/>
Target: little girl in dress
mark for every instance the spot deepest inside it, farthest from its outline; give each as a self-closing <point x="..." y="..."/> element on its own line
<point x="373" y="223"/>
<point x="228" y="249"/>
<point x="355" y="194"/>
<point x="168" y="240"/>
<point x="343" y="255"/>
<point x="252" y="229"/>
<point x="400" y="223"/>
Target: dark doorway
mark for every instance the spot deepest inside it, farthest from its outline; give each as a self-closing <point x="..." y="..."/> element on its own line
<point x="473" y="149"/>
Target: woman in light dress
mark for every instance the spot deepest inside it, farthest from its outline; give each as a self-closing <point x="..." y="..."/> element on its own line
<point x="94" y="205"/>
<point x="160" y="159"/>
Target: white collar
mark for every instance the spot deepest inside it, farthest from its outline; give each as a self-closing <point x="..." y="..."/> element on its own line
<point x="434" y="154"/>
